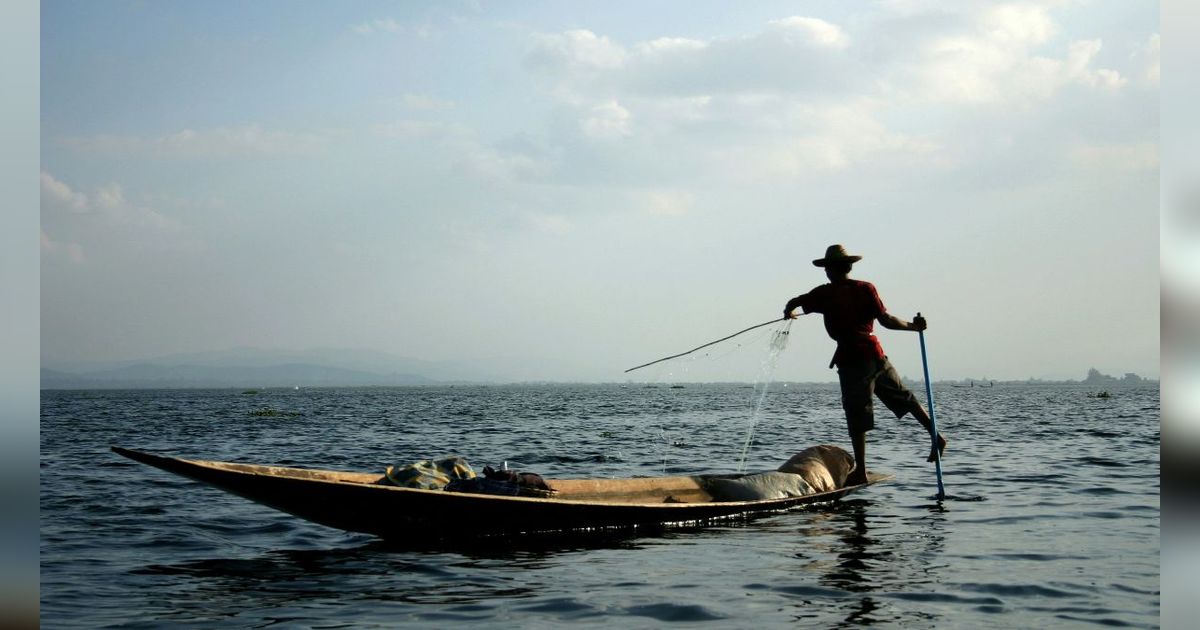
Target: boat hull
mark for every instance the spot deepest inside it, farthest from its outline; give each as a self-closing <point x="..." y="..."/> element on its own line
<point x="365" y="503"/>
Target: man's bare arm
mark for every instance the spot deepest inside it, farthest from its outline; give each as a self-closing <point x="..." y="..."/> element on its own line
<point x="887" y="320"/>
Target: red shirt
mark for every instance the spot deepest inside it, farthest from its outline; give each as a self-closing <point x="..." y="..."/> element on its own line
<point x="850" y="309"/>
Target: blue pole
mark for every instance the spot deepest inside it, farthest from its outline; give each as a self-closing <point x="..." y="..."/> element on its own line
<point x="933" y="431"/>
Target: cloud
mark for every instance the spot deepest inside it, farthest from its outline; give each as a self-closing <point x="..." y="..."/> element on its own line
<point x="105" y="221"/>
<point x="112" y="204"/>
<point x="807" y="31"/>
<point x="61" y="194"/>
<point x="991" y="56"/>
<point x="607" y="120"/>
<point x="492" y="163"/>
<point x="71" y="251"/>
<point x="391" y="26"/>
<point x="222" y="142"/>
<point x="574" y="51"/>
<point x="795" y="54"/>
<point x="1150" y="55"/>
<point x="993" y="61"/>
<point x="384" y="25"/>
<point x="804" y="96"/>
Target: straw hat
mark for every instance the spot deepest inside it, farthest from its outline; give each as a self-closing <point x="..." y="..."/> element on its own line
<point x="836" y="254"/>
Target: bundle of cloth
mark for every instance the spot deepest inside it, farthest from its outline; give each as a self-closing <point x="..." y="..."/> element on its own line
<point x="430" y="474"/>
<point x="816" y="469"/>
<point x="454" y="474"/>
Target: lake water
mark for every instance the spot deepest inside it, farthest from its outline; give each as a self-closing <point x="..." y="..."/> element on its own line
<point x="1053" y="517"/>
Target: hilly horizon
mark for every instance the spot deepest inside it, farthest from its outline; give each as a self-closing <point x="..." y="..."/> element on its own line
<point x="250" y="367"/>
<point x="245" y="366"/>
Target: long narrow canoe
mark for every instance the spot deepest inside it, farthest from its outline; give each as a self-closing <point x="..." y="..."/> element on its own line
<point x="368" y="503"/>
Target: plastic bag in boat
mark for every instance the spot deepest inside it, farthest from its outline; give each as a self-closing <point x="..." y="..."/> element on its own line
<point x="756" y="487"/>
<point x="430" y="474"/>
<point x="825" y="466"/>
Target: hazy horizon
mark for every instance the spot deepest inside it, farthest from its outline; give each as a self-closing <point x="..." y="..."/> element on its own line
<point x="589" y="186"/>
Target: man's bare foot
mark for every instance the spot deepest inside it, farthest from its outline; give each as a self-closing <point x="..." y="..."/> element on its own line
<point x="941" y="449"/>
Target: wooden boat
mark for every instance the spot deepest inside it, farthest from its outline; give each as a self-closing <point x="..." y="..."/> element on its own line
<point x="369" y="503"/>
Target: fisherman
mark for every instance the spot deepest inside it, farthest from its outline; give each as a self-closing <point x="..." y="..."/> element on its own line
<point x="850" y="308"/>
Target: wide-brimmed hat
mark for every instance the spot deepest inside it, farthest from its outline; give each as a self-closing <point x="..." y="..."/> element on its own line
<point x="836" y="254"/>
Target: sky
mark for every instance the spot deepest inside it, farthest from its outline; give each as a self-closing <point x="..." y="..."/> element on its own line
<point x="587" y="186"/>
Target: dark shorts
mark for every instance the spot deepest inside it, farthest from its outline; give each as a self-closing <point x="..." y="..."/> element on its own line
<point x="862" y="379"/>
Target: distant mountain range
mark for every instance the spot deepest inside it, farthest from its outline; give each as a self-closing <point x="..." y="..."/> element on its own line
<point x="254" y="367"/>
<point x="338" y="367"/>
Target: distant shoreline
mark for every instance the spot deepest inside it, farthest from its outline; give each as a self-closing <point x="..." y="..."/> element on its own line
<point x="255" y="389"/>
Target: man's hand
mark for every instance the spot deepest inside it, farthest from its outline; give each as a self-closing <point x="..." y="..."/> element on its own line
<point x="788" y="308"/>
<point x="918" y="323"/>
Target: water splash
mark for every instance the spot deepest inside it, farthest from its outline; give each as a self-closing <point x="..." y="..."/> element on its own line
<point x="766" y="371"/>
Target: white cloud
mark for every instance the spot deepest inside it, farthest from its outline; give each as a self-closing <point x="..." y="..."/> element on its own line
<point x="1017" y="25"/>
<point x="381" y="25"/>
<point x="1079" y="58"/>
<point x="805" y="96"/>
<point x="103" y="221"/>
<point x="113" y="205"/>
<point x="669" y="45"/>
<point x="1150" y="55"/>
<point x="110" y="197"/>
<point x="607" y="120"/>
<point x="424" y="30"/>
<point x="994" y="61"/>
<point x="61" y="194"/>
<point x="828" y="139"/>
<point x="811" y="32"/>
<point x="575" y="50"/>
<point x="222" y="142"/>
<point x="71" y="251"/>
<point x="491" y="163"/>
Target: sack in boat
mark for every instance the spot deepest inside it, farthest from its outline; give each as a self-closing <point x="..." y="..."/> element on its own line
<point x="430" y="474"/>
<point x="767" y="485"/>
<point x="530" y="484"/>
<point x="524" y="479"/>
<point x="483" y="485"/>
<point x="825" y="467"/>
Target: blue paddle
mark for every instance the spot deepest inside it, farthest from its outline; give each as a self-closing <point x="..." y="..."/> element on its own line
<point x="937" y="459"/>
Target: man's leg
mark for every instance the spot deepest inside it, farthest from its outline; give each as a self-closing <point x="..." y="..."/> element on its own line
<point x="896" y="396"/>
<point x="922" y="416"/>
<point x="860" y="415"/>
<point x="859" y="442"/>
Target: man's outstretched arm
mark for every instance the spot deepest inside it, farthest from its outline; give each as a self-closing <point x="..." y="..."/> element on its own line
<point x="887" y="320"/>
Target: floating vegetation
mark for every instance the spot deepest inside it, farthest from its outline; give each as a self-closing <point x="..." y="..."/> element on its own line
<point x="250" y="392"/>
<point x="267" y="412"/>
<point x="607" y="434"/>
<point x="1103" y="394"/>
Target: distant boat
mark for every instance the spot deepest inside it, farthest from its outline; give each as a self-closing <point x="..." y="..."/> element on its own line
<point x="368" y="503"/>
<point x="972" y="384"/>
